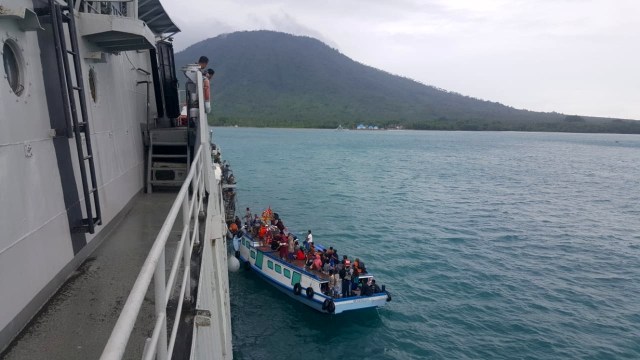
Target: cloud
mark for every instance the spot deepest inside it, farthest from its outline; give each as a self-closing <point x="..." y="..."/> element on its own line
<point x="192" y="32"/>
<point x="286" y="23"/>
<point x="570" y="56"/>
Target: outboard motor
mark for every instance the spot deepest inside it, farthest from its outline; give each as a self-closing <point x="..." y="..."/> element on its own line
<point x="385" y="291"/>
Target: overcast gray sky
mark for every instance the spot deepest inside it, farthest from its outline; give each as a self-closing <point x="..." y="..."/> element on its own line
<point x="571" y="56"/>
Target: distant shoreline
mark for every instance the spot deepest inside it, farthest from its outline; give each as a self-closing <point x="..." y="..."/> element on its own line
<point x="595" y="129"/>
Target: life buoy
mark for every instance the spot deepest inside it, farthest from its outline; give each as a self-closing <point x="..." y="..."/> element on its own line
<point x="331" y="307"/>
<point x="310" y="292"/>
<point x="297" y="289"/>
<point x="325" y="304"/>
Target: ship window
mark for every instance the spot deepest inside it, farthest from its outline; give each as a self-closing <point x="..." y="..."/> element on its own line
<point x="12" y="66"/>
<point x="270" y="264"/>
<point x="287" y="273"/>
<point x="278" y="268"/>
<point x="92" y="84"/>
<point x="296" y="278"/>
<point x="253" y="254"/>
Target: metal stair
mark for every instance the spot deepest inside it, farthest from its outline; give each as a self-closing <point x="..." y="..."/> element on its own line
<point x="79" y="125"/>
<point x="169" y="157"/>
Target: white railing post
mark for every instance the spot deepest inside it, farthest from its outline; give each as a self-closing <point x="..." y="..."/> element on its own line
<point x="202" y="168"/>
<point x="186" y="223"/>
<point x="187" y="266"/>
<point x="186" y="218"/>
<point x="161" y="306"/>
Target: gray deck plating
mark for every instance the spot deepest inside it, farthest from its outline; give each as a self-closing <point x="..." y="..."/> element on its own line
<point x="78" y="320"/>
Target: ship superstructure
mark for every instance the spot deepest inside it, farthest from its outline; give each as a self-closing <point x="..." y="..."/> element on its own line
<point x="89" y="107"/>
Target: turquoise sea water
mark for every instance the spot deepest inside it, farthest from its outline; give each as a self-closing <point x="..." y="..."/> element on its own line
<point x="493" y="245"/>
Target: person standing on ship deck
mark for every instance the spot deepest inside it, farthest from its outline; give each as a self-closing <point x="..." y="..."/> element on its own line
<point x="203" y="61"/>
<point x="208" y="75"/>
<point x="291" y="247"/>
<point x="309" y="240"/>
<point x="247" y="218"/>
<point x="346" y="282"/>
<point x="332" y="283"/>
<point x="256" y="225"/>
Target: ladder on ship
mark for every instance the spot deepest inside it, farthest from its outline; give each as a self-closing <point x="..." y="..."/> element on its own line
<point x="77" y="124"/>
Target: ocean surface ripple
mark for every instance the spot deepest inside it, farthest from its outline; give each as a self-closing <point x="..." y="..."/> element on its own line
<point x="493" y="245"/>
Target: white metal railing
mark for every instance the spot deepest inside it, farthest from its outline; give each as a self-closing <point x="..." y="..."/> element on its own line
<point x="109" y="7"/>
<point x="154" y="267"/>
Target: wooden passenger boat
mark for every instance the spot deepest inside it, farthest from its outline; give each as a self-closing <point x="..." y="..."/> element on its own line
<point x="302" y="284"/>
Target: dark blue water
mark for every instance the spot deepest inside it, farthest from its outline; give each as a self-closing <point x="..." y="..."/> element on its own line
<point x="494" y="245"/>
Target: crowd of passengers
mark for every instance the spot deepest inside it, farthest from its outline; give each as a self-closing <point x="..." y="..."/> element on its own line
<point x="344" y="274"/>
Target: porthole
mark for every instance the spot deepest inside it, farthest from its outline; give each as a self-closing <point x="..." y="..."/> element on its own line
<point x="12" y="67"/>
<point x="92" y="85"/>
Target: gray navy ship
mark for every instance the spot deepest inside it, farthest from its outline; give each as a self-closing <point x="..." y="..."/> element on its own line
<point x="112" y="231"/>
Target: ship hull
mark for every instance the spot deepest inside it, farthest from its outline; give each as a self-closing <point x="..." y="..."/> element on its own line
<point x="41" y="187"/>
<point x="43" y="206"/>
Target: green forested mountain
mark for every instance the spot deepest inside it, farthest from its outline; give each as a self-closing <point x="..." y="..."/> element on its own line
<point x="266" y="78"/>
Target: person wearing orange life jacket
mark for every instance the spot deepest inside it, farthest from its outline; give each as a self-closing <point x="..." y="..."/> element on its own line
<point x="262" y="232"/>
<point x="233" y="228"/>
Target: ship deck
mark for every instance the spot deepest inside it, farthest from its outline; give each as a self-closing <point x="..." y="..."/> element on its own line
<point x="77" y="322"/>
